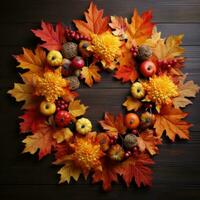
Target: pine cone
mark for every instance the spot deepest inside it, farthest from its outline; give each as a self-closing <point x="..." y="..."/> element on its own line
<point x="70" y="50"/>
<point x="130" y="141"/>
<point x="74" y="83"/>
<point x="144" y="52"/>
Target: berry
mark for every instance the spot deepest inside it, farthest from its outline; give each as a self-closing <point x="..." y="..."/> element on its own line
<point x="134" y="51"/>
<point x="61" y="104"/>
<point x="167" y="64"/>
<point x="62" y="118"/>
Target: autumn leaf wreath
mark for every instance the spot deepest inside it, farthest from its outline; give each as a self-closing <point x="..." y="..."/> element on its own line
<point x="54" y="117"/>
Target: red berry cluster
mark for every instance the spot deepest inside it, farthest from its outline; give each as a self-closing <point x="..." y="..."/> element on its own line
<point x="167" y="64"/>
<point x="134" y="51"/>
<point x="75" y="35"/>
<point x="113" y="139"/>
<point x="61" y="105"/>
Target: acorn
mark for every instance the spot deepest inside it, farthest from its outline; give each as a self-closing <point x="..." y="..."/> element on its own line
<point x="74" y="83"/>
<point x="104" y="141"/>
<point x="116" y="153"/>
<point x="130" y="141"/>
<point x="70" y="50"/>
<point x="144" y="52"/>
<point x="147" y="120"/>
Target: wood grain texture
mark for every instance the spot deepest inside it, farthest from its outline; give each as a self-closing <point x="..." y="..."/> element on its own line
<point x="177" y="168"/>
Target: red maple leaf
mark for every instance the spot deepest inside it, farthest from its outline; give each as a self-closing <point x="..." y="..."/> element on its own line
<point x="126" y="73"/>
<point x="32" y="119"/>
<point x="53" y="38"/>
<point x="137" y="167"/>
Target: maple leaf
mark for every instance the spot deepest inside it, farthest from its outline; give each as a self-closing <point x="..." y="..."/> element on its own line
<point x="69" y="95"/>
<point x="42" y="140"/>
<point x="53" y="39"/>
<point x="136" y="167"/>
<point x="147" y="140"/>
<point x="90" y="74"/>
<point x="170" y="48"/>
<point x="140" y="28"/>
<point x="132" y="104"/>
<point x="107" y="175"/>
<point x="67" y="171"/>
<point x="32" y="119"/>
<point x="119" y="24"/>
<point x="126" y="73"/>
<point x="95" y="22"/>
<point x="170" y="120"/>
<point x="33" y="62"/>
<point x="76" y="108"/>
<point x="113" y="125"/>
<point x="185" y="89"/>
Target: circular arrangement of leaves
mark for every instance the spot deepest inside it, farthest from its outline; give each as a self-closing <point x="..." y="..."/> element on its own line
<point x="54" y="117"/>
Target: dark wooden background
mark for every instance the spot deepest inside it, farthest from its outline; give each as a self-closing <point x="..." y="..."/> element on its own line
<point x="177" y="168"/>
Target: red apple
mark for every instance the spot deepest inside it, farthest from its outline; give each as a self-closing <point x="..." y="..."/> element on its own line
<point x="77" y="62"/>
<point x="62" y="118"/>
<point x="148" y="68"/>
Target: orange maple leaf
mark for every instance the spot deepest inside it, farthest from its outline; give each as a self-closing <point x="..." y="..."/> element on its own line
<point x="107" y="175"/>
<point x="42" y="140"/>
<point x="32" y="119"/>
<point x="34" y="62"/>
<point x="140" y="28"/>
<point x="126" y="73"/>
<point x="53" y="39"/>
<point x="90" y="74"/>
<point x="148" y="141"/>
<point x="170" y="120"/>
<point x="136" y="167"/>
<point x="96" y="23"/>
<point x="113" y="125"/>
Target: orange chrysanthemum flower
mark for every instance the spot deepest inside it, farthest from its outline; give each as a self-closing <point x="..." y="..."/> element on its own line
<point x="51" y="85"/>
<point x="160" y="90"/>
<point x="87" y="153"/>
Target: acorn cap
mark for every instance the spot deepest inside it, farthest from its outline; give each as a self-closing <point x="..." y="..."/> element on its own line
<point x="74" y="83"/>
<point x="144" y="52"/>
<point x="70" y="50"/>
<point x="130" y="141"/>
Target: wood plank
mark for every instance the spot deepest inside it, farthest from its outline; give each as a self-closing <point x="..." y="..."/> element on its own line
<point x="180" y="11"/>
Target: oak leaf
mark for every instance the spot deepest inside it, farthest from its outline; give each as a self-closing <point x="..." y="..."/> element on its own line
<point x="76" y="108"/>
<point x="95" y="22"/>
<point x="53" y="39"/>
<point x="140" y="28"/>
<point x="136" y="167"/>
<point x="90" y="74"/>
<point x="119" y="24"/>
<point x="32" y="119"/>
<point x="34" y="62"/>
<point x="185" y="89"/>
<point x="132" y="104"/>
<point x="148" y="141"/>
<point x="170" y="120"/>
<point x="42" y="140"/>
<point x="113" y="125"/>
<point x="69" y="170"/>
<point x="126" y="73"/>
<point x="170" y="48"/>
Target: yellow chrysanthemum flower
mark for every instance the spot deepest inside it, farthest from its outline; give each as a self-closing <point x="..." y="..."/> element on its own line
<point x="160" y="90"/>
<point x="87" y="153"/>
<point x="105" y="46"/>
<point x="51" y="85"/>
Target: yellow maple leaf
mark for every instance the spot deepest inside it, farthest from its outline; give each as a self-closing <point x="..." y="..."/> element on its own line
<point x="76" y="108"/>
<point x="33" y="62"/>
<point x="170" y="120"/>
<point x="185" y="89"/>
<point x="64" y="134"/>
<point x="90" y="74"/>
<point x="132" y="104"/>
<point x="170" y="48"/>
<point x="69" y="170"/>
